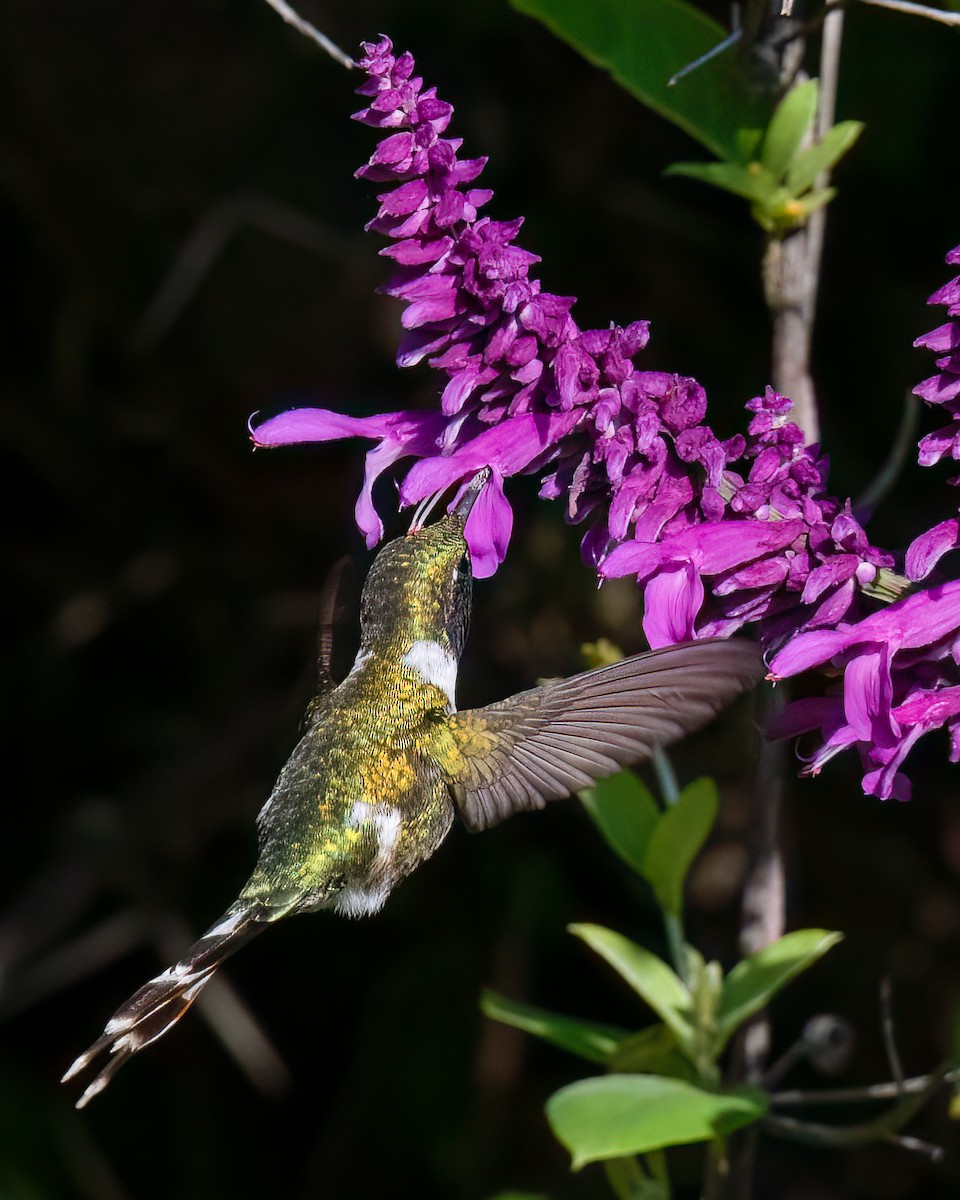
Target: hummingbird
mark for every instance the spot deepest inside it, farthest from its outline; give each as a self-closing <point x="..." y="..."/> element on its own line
<point x="386" y="763"/>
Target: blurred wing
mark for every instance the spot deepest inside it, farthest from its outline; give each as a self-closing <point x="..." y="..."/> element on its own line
<point x="336" y="604"/>
<point x="544" y="744"/>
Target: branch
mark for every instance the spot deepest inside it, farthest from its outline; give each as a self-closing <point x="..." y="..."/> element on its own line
<point x="309" y="31"/>
<point x="917" y="10"/>
<point x="798" y="1097"/>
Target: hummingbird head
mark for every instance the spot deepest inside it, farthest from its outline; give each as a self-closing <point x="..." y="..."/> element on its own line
<point x="419" y="586"/>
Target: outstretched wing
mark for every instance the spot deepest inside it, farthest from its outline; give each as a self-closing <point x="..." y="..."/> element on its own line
<point x="545" y="743"/>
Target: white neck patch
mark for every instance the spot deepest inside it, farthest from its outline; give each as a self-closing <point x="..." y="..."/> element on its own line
<point x="435" y="665"/>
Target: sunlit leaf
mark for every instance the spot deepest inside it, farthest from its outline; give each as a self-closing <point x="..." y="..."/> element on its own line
<point x="752" y="181"/>
<point x="753" y="981"/>
<point x="676" y="840"/>
<point x="648" y="975"/>
<point x="590" y="1040"/>
<point x="792" y="118"/>
<point x="615" y="1115"/>
<point x="829" y="150"/>
<point x="642" y="43"/>
<point x="625" y="812"/>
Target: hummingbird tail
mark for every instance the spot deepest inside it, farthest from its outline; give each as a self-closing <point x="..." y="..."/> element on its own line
<point x="163" y="1000"/>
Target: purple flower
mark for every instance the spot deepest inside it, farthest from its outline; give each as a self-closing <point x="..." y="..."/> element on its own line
<point x="719" y="533"/>
<point x="900" y="681"/>
<point x="525" y="387"/>
<point x="943" y="389"/>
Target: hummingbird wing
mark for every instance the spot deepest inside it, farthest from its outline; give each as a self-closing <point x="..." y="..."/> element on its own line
<point x="336" y="602"/>
<point x="545" y="743"/>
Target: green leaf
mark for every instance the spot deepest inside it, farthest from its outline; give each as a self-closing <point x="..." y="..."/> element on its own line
<point x="625" y="812"/>
<point x="827" y="153"/>
<point x="752" y="181"/>
<point x="748" y="145"/>
<point x="812" y="200"/>
<point x="642" y="43"/>
<point x="677" y="839"/>
<point x="788" y="126"/>
<point x="754" y="980"/>
<point x="785" y="212"/>
<point x="589" y="1039"/>
<point x="615" y="1115"/>
<point x="652" y="1051"/>
<point x="648" y="975"/>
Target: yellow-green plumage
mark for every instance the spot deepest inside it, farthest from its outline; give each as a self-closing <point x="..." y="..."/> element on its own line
<point x="363" y="799"/>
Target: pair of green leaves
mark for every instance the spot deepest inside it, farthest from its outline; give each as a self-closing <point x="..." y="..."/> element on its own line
<point x="662" y="1101"/>
<point x="642" y="43"/>
<point x="662" y="1088"/>
<point x="658" y="845"/>
<point x="782" y="169"/>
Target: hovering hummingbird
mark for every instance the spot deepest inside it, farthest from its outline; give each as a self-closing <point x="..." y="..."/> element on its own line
<point x="387" y="763"/>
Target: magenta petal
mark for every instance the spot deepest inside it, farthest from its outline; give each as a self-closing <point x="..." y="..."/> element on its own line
<point x="509" y="446"/>
<point x="320" y="425"/>
<point x="631" y="558"/>
<point x="926" y="551"/>
<point x="866" y="695"/>
<point x="671" y="601"/>
<point x="835" y="570"/>
<point x="806" y="650"/>
<point x="488" y="528"/>
<point x="722" y="545"/>
<point x="376" y="462"/>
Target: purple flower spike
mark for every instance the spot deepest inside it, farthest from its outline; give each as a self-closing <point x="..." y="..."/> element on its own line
<point x="719" y="533"/>
<point x="942" y="389"/>
<point x="525" y="389"/>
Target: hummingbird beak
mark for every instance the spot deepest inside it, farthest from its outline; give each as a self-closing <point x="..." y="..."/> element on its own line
<point x="464" y="504"/>
<point x="469" y="497"/>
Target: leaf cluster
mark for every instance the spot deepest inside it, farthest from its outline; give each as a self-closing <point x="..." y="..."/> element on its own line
<point x="767" y="155"/>
<point x="663" y="1083"/>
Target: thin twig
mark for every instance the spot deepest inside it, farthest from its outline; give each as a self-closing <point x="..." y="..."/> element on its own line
<point x="207" y="243"/>
<point x="889" y="1032"/>
<point x="734" y="36"/>
<point x="904" y="447"/>
<point x="917" y="10"/>
<point x="927" y="1149"/>
<point x="880" y="1129"/>
<point x="816" y="1097"/>
<point x="66" y="964"/>
<point x="830" y="42"/>
<point x="309" y="31"/>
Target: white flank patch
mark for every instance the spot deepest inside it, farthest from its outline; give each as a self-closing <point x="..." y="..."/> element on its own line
<point x="361" y="811"/>
<point x="358" y="901"/>
<point x="385" y="820"/>
<point x="363" y="657"/>
<point x="434" y="665"/>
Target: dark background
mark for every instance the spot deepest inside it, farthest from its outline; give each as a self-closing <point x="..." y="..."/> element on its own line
<point x="163" y="588"/>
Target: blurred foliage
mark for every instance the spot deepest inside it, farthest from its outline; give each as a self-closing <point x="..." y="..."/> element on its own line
<point x="163" y="585"/>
